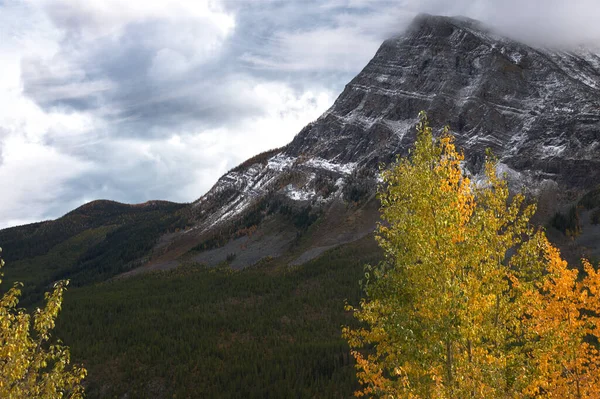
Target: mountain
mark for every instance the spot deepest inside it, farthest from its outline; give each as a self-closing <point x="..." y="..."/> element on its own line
<point x="538" y="109"/>
<point x="89" y="244"/>
<point x="272" y="330"/>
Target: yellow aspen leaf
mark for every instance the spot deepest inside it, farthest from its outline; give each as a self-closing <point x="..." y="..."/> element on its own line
<point x="29" y="366"/>
<point x="471" y="301"/>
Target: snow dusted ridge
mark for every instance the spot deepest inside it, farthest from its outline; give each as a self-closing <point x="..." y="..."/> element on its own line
<point x="527" y="182"/>
<point x="280" y="162"/>
<point x="537" y="109"/>
<point x="301" y="194"/>
<point x="237" y="190"/>
<point x="324" y="164"/>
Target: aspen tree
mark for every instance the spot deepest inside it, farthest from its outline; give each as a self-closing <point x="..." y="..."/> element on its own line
<point x="31" y="364"/>
<point x="470" y="301"/>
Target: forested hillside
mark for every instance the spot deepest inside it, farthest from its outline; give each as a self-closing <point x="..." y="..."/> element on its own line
<point x="266" y="331"/>
<point x="245" y="291"/>
<point x="90" y="244"/>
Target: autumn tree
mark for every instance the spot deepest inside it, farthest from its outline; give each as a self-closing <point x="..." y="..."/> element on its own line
<point x="447" y="314"/>
<point x="31" y="365"/>
<point x="561" y="328"/>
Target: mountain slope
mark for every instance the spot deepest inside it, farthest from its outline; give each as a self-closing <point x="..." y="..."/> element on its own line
<point x="89" y="244"/>
<point x="271" y="329"/>
<point x="537" y="109"/>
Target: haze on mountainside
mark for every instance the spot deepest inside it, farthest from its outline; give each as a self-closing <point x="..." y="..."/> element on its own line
<point x="155" y="100"/>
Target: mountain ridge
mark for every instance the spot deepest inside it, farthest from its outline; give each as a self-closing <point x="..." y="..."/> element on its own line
<point x="538" y="109"/>
<point x="292" y="218"/>
<point x="491" y="91"/>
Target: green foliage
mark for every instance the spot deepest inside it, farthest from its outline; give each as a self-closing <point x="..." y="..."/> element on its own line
<point x="120" y="248"/>
<point x="266" y="331"/>
<point x="568" y="224"/>
<point x="302" y="217"/>
<point x="42" y="271"/>
<point x="358" y="187"/>
<point x="253" y="215"/>
<point x="92" y="243"/>
<point x="38" y="238"/>
<point x="595" y="218"/>
<point x="471" y="300"/>
<point x="591" y="199"/>
<point x="435" y="310"/>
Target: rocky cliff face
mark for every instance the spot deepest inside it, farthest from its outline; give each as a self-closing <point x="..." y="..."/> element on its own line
<point x="537" y="109"/>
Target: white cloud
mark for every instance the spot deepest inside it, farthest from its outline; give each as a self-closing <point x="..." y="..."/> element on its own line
<point x="95" y="18"/>
<point x="168" y="64"/>
<point x="137" y="100"/>
<point x="184" y="165"/>
<point x="58" y="80"/>
<point x="549" y="22"/>
<point x="353" y="29"/>
<point x="33" y="176"/>
<point x="319" y="49"/>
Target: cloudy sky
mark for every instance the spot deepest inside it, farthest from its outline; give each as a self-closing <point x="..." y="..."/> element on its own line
<point x="140" y="99"/>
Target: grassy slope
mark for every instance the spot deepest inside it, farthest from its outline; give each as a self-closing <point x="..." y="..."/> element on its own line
<point x="38" y="273"/>
<point x="36" y="239"/>
<point x="90" y="244"/>
<point x="266" y="331"/>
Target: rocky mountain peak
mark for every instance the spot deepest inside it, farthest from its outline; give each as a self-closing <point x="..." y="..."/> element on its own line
<point x="441" y="26"/>
<point x="538" y="109"/>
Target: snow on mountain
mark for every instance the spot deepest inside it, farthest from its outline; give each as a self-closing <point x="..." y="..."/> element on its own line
<point x="538" y="109"/>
